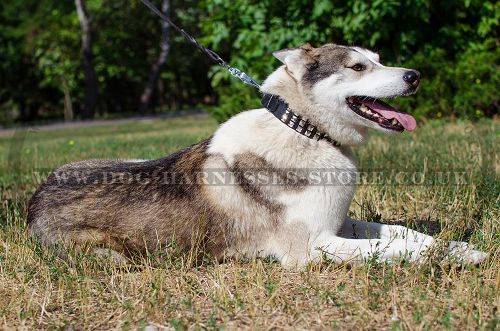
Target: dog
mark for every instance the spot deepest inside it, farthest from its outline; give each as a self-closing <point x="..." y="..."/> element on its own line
<point x="128" y="206"/>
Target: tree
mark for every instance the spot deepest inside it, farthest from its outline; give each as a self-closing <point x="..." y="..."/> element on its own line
<point x="157" y="65"/>
<point x="88" y="67"/>
<point x="45" y="47"/>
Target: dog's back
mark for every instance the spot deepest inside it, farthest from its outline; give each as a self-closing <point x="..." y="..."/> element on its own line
<point x="126" y="205"/>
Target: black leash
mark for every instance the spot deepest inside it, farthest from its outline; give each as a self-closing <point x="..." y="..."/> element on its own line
<point x="274" y="104"/>
<point x="211" y="54"/>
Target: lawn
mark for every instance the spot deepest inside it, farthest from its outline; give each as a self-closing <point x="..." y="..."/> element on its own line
<point x="449" y="189"/>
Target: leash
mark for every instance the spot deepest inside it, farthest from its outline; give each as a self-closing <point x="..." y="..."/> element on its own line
<point x="274" y="104"/>
<point x="208" y="52"/>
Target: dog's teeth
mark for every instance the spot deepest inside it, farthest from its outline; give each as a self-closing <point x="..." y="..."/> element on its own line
<point x="394" y="121"/>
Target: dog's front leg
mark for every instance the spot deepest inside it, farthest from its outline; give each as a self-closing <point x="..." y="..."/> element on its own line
<point x="370" y="230"/>
<point x="353" y="251"/>
<point x="354" y="229"/>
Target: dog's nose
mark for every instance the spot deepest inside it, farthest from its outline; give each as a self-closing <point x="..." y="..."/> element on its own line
<point x="412" y="77"/>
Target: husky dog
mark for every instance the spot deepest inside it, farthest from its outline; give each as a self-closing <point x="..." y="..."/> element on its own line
<point x="126" y="206"/>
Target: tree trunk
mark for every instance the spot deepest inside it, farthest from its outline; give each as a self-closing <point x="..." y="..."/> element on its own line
<point x="68" y="106"/>
<point x="160" y="89"/>
<point x="154" y="74"/>
<point x="90" y="103"/>
<point x="23" y="110"/>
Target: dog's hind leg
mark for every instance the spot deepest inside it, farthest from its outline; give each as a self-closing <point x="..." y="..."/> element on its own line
<point x="62" y="237"/>
<point x="111" y="255"/>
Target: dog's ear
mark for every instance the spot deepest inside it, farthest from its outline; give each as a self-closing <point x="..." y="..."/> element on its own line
<point x="296" y="59"/>
<point x="307" y="47"/>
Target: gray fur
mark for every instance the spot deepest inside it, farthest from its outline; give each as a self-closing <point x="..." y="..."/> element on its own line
<point x="327" y="60"/>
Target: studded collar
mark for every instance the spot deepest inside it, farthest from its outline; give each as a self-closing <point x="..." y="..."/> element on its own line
<point x="280" y="109"/>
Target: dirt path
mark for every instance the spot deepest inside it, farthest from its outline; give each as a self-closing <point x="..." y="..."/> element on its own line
<point x="90" y="123"/>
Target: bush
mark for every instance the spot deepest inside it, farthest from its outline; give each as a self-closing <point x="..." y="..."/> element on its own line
<point x="465" y="87"/>
<point x="453" y="43"/>
<point x="477" y="80"/>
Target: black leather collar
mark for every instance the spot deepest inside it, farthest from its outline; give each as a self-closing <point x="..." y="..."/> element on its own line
<point x="279" y="108"/>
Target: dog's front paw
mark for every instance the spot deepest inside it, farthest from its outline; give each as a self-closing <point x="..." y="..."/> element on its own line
<point x="463" y="253"/>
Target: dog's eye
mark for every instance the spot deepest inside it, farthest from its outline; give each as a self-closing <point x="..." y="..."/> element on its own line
<point x="358" y="67"/>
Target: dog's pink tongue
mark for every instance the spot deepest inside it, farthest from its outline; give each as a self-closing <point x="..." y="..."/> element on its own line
<point x="406" y="120"/>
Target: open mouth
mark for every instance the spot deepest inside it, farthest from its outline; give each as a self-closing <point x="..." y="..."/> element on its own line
<point x="381" y="113"/>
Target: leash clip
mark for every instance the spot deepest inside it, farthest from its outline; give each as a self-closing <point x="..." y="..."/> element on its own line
<point x="242" y="76"/>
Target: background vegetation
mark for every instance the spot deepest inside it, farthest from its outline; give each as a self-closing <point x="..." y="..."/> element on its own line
<point x="40" y="290"/>
<point x="454" y="43"/>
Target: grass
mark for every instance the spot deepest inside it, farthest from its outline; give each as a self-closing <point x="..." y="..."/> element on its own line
<point x="42" y="291"/>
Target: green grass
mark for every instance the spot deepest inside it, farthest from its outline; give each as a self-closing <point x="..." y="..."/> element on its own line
<point x="40" y="290"/>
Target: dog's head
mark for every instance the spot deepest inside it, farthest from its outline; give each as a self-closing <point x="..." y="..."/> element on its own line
<point x="348" y="82"/>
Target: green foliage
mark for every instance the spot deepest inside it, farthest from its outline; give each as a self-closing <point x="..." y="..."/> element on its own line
<point x="40" y="51"/>
<point x="453" y="43"/>
<point x="477" y="79"/>
<point x="55" y="49"/>
<point x="466" y="86"/>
